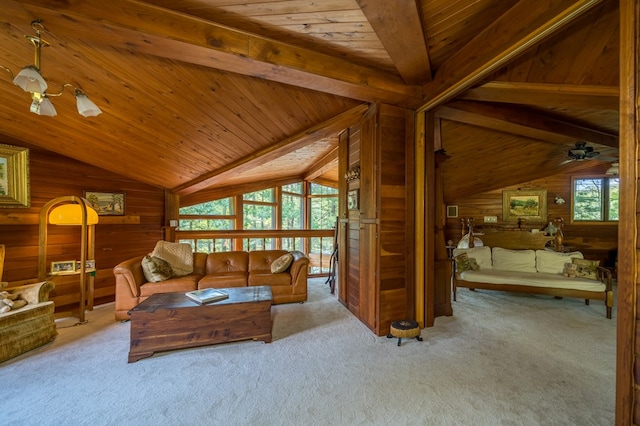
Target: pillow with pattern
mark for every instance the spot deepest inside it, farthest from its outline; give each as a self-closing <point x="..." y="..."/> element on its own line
<point x="463" y="263"/>
<point x="282" y="263"/>
<point x="156" y="269"/>
<point x="586" y="268"/>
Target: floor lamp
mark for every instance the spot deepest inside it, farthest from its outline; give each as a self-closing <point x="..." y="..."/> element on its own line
<point x="72" y="211"/>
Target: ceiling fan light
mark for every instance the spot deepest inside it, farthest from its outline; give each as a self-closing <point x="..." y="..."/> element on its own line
<point x="29" y="79"/>
<point x="86" y="107"/>
<point x="614" y="170"/>
<point x="43" y="107"/>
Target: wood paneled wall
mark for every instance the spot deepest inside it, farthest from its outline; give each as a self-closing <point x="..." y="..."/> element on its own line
<point x="379" y="285"/>
<point x="596" y="241"/>
<point x="51" y="176"/>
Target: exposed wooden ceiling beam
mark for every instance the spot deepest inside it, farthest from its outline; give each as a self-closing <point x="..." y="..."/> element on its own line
<point x="539" y="94"/>
<point x="290" y="144"/>
<point x="328" y="162"/>
<point x="528" y="22"/>
<point x="524" y="123"/>
<point x="161" y="32"/>
<point x="397" y="25"/>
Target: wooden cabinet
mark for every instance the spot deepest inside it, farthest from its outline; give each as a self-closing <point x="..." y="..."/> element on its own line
<point x="376" y="255"/>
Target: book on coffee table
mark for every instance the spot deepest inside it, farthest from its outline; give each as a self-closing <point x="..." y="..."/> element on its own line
<point x="206" y="295"/>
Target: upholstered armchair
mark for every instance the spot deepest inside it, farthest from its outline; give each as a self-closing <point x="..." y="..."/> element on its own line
<point x="28" y="327"/>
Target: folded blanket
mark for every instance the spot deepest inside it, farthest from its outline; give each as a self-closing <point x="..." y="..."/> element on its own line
<point x="178" y="255"/>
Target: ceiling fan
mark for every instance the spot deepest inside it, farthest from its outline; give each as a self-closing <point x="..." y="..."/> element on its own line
<point x="583" y="152"/>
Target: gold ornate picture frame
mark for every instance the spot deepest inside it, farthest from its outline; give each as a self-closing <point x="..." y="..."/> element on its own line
<point x="524" y="204"/>
<point x="14" y="176"/>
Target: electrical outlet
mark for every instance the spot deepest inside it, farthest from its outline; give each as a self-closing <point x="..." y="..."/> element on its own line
<point x="491" y="219"/>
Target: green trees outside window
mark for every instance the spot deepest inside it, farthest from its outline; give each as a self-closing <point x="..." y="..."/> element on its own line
<point x="596" y="199"/>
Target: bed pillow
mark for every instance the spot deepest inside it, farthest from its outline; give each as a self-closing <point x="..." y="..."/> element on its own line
<point x="514" y="260"/>
<point x="482" y="255"/>
<point x="586" y="268"/>
<point x="553" y="262"/>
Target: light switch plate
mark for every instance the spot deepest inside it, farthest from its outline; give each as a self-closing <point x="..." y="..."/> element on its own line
<point x="491" y="219"/>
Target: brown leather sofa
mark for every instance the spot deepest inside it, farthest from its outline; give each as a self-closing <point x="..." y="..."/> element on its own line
<point x="215" y="270"/>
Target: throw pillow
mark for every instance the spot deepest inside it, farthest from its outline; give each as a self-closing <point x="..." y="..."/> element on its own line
<point x="156" y="269"/>
<point x="586" y="268"/>
<point x="282" y="263"/>
<point x="178" y="255"/>
<point x="570" y="270"/>
<point x="474" y="264"/>
<point x="462" y="263"/>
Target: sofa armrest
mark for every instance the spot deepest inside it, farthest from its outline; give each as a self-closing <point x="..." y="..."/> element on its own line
<point x="33" y="293"/>
<point x="299" y="268"/>
<point x="129" y="275"/>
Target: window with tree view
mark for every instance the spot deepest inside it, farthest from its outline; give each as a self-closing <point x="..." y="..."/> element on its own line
<point x="596" y="199"/>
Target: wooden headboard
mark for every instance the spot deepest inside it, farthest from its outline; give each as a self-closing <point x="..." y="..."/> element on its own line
<point x="513" y="239"/>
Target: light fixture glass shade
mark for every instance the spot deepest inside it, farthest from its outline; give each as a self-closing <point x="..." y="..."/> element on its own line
<point x="30" y="80"/>
<point x="71" y="214"/>
<point x="86" y="108"/>
<point x="43" y="107"/>
<point x="614" y="170"/>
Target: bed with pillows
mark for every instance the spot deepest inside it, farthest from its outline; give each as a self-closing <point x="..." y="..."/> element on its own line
<point x="534" y="271"/>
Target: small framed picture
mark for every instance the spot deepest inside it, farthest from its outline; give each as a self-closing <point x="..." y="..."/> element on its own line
<point x="89" y="264"/>
<point x="452" y="211"/>
<point x="353" y="199"/>
<point x="65" y="267"/>
<point x="106" y="203"/>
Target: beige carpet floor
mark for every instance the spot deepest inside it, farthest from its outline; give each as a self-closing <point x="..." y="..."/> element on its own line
<point x="502" y="359"/>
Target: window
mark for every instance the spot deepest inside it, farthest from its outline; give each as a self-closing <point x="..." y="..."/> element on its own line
<point x="596" y="199"/>
<point x="259" y="210"/>
<point x="323" y="208"/>
<point x="293" y="206"/>
<point x="213" y="215"/>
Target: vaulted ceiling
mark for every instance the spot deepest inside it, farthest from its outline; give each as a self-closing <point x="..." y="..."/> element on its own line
<point x="205" y="97"/>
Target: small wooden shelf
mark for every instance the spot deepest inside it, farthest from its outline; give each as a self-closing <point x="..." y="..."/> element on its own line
<point x="34" y="219"/>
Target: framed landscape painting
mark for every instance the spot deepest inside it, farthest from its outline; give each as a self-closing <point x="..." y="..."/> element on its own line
<point x="14" y="176"/>
<point x="529" y="205"/>
<point x="106" y="203"/>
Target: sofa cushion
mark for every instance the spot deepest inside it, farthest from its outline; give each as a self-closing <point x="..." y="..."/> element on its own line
<point x="586" y="268"/>
<point x="178" y="255"/>
<point x="156" y="269"/>
<point x="514" y="260"/>
<point x="482" y="255"/>
<point x="224" y="280"/>
<point x="267" y="278"/>
<point x="226" y="262"/>
<point x="183" y="283"/>
<point x="539" y="279"/>
<point x="282" y="263"/>
<point x="552" y="262"/>
<point x="261" y="260"/>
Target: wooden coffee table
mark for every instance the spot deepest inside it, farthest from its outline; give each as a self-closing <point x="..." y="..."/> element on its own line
<point x="167" y="321"/>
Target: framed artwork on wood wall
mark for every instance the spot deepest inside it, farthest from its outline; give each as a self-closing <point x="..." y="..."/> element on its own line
<point x="14" y="176"/>
<point x="452" y="211"/>
<point x="353" y="199"/>
<point x="64" y="267"/>
<point x="524" y="204"/>
<point x="106" y="203"/>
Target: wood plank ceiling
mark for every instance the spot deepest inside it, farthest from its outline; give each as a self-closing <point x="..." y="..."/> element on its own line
<point x="206" y="97"/>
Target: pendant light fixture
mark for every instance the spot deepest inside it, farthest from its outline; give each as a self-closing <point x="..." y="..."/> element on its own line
<point x="31" y="80"/>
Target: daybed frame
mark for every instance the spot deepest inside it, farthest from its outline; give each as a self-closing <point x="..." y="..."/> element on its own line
<point x="519" y="240"/>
